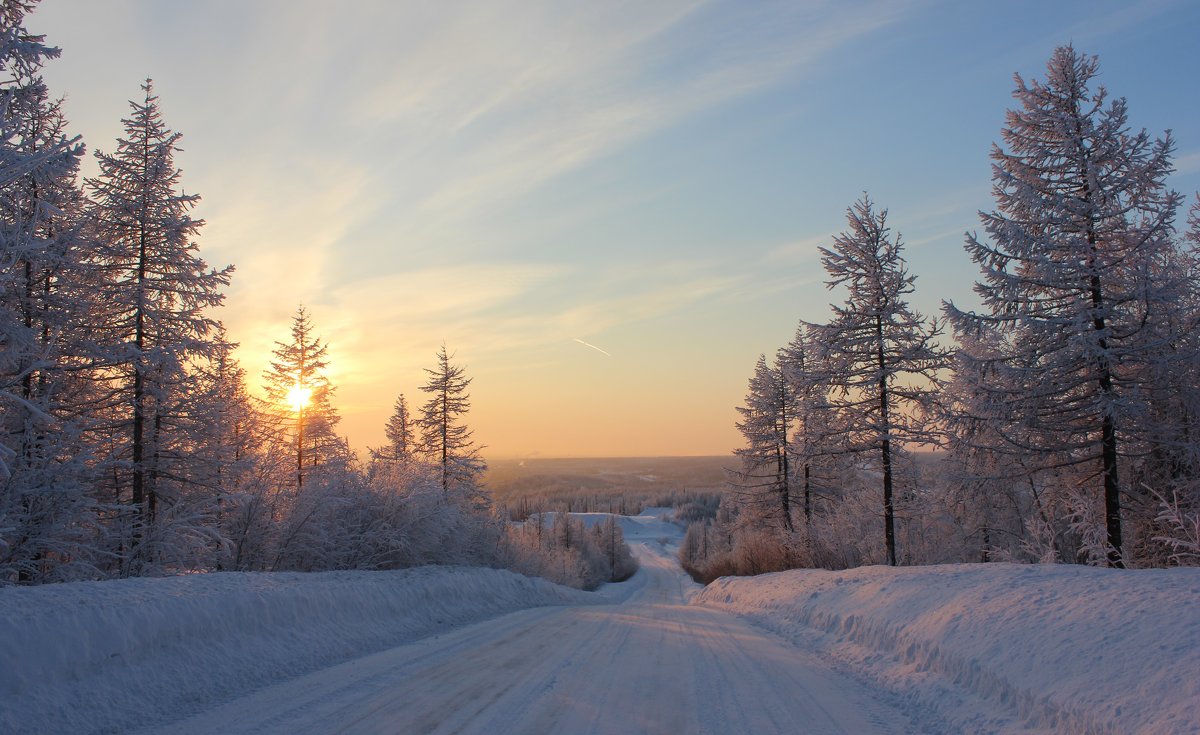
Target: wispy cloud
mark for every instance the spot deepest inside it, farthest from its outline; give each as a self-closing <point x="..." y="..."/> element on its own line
<point x="1092" y="27"/>
<point x="367" y="171"/>
<point x="604" y="352"/>
<point x="446" y="292"/>
<point x="954" y="234"/>
<point x="1127" y="16"/>
<point x="804" y="250"/>
<point x="453" y="110"/>
<point x="389" y="326"/>
<point x="518" y="111"/>
<point x="1188" y="163"/>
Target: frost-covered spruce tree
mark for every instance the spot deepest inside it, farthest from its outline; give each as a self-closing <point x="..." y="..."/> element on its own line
<point x="1173" y="477"/>
<point x="1163" y="454"/>
<point x="44" y="298"/>
<point x="882" y="354"/>
<point x="1082" y="222"/>
<point x="299" y="395"/>
<point x="46" y="517"/>
<point x="232" y="460"/>
<point x="446" y="441"/>
<point x="813" y="446"/>
<point x="157" y="295"/>
<point x="764" y="483"/>
<point x="399" y="433"/>
<point x="233" y="435"/>
<point x="996" y="510"/>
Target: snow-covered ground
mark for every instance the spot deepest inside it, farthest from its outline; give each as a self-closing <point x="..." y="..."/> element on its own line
<point x="1000" y="647"/>
<point x="649" y="663"/>
<point x="110" y="656"/>
<point x="955" y="649"/>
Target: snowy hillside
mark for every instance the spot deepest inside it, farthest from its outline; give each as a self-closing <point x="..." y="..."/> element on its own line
<point x="1069" y="648"/>
<point x="652" y="524"/>
<point x="110" y="656"/>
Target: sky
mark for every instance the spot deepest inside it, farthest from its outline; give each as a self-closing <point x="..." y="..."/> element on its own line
<point x="606" y="211"/>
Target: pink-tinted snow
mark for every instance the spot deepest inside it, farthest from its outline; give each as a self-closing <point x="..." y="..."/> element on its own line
<point x="111" y="656"/>
<point x="1070" y="649"/>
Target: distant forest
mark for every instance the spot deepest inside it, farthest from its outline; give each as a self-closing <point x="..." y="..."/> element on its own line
<point x="625" y="485"/>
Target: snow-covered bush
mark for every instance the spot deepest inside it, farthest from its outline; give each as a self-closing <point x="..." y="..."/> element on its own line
<point x="560" y="548"/>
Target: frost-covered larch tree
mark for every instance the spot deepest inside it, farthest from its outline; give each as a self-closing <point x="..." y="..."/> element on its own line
<point x="233" y="432"/>
<point x="990" y="499"/>
<point x="399" y="433"/>
<point x="232" y="458"/>
<point x="1072" y="282"/>
<point x="882" y="354"/>
<point x="299" y="394"/>
<point x="1171" y="471"/>
<point x="157" y="296"/>
<point x="812" y="445"/>
<point x="767" y="418"/>
<point x="45" y="512"/>
<point x="446" y="441"/>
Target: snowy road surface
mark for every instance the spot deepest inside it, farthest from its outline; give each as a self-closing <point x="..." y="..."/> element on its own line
<point x="646" y="664"/>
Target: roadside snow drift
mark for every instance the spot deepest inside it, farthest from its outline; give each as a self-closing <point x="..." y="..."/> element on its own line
<point x="1069" y="648"/>
<point x="112" y="656"/>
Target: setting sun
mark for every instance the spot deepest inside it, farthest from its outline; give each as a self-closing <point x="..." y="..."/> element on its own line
<point x="298" y="397"/>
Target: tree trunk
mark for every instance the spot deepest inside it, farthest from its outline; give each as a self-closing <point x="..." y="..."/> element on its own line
<point x="139" y="400"/>
<point x="1108" y="434"/>
<point x="1108" y="429"/>
<point x="300" y="448"/>
<point x="152" y="475"/>
<point x="889" y="520"/>
<point x="139" y="379"/>
<point x="807" y="495"/>
<point x="445" y="429"/>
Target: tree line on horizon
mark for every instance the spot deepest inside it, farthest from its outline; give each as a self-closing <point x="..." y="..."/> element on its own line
<point x="1067" y="407"/>
<point x="130" y="444"/>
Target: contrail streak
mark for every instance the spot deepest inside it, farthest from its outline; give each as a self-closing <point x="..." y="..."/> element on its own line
<point x="594" y="347"/>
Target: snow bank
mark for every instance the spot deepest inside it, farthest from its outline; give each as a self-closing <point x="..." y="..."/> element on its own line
<point x="1069" y="648"/>
<point x="112" y="656"/>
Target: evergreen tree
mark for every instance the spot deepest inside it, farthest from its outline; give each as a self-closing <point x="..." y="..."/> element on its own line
<point x="883" y="353"/>
<point x="992" y="500"/>
<point x="156" y="295"/>
<point x="230" y="452"/>
<point x="812" y="446"/>
<point x="399" y="432"/>
<point x="45" y="513"/>
<point x="1166" y="522"/>
<point x="299" y="393"/>
<point x="609" y="537"/>
<point x="765" y="480"/>
<point x="1072" y="282"/>
<point x="446" y="441"/>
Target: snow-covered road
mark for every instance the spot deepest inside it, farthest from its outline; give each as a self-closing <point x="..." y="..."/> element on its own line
<point x="647" y="663"/>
